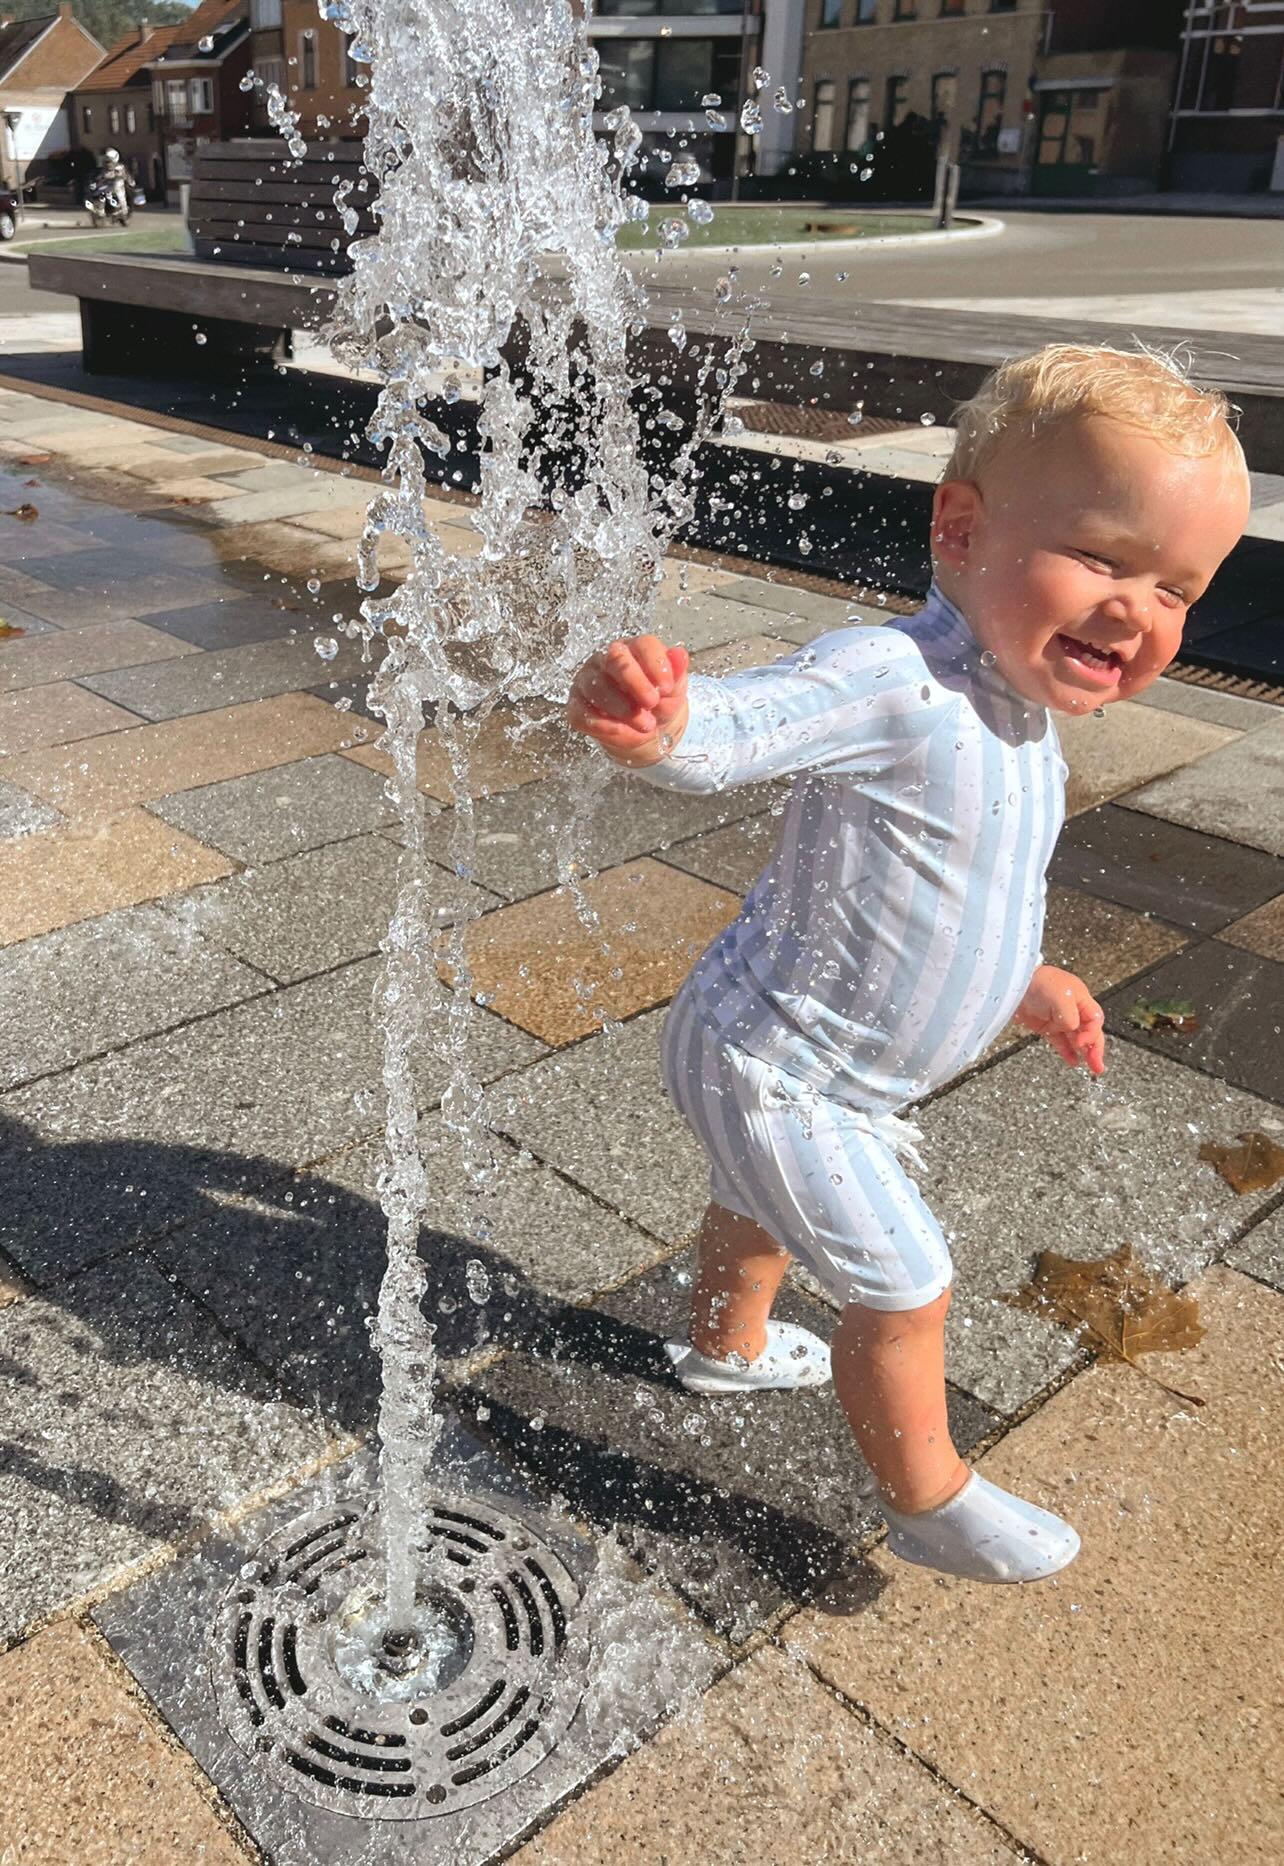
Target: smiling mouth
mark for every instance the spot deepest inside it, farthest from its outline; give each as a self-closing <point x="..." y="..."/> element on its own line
<point x="1102" y="664"/>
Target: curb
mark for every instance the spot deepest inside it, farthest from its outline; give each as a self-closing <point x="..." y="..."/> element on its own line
<point x="985" y="227"/>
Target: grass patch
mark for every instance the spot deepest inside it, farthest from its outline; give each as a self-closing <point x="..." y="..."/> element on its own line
<point x="116" y="240"/>
<point x="769" y="226"/>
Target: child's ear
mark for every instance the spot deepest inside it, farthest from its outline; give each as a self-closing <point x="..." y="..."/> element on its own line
<point x="956" y="509"/>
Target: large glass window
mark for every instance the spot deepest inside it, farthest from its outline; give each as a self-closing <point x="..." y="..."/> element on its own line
<point x="683" y="73"/>
<point x="822" y="116"/>
<point x="831" y="12"/>
<point x="989" y="111"/>
<point x="866" y="12"/>
<point x="308" y="60"/>
<point x="667" y="74"/>
<point x="616" y="9"/>
<point x="857" y="113"/>
<point x="627" y="68"/>
<point x="1221" y="75"/>
<point x="896" y="105"/>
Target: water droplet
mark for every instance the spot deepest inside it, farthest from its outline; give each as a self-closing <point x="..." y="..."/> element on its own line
<point x="314" y="586"/>
<point x="200" y="337"/>
<point x="700" y="212"/>
<point x="684" y="172"/>
<point x="928" y="421"/>
<point x="326" y="646"/>
<point x="988" y="657"/>
<point x="817" y="369"/>
<point x="761" y="77"/>
<point x="796" y="501"/>
<point x="206" y="44"/>
<point x="751" y="116"/>
<point x="856" y="417"/>
<point x="1098" y="712"/>
<point x="477" y="1280"/>
<point x="782" y="103"/>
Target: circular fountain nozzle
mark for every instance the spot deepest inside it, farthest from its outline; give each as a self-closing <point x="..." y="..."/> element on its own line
<point x="399" y="1721"/>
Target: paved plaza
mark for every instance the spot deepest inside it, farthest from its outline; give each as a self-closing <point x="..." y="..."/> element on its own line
<point x="197" y="866"/>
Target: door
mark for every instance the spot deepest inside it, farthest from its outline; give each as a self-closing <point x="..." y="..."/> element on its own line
<point x="1071" y="133"/>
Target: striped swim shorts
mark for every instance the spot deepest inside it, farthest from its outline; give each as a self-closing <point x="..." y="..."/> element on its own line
<point x="822" y="1177"/>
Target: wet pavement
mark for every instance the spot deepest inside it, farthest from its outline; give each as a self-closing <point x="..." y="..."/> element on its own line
<point x="196" y="869"/>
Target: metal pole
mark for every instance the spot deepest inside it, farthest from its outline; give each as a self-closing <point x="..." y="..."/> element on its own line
<point x="749" y="15"/>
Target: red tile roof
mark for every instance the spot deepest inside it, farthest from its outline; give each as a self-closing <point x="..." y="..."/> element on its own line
<point x="128" y="57"/>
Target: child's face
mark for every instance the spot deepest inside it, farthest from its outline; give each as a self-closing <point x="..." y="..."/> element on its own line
<point x="1078" y="559"/>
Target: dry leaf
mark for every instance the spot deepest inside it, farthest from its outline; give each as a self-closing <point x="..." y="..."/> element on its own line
<point x="34" y="459"/>
<point x="1118" y="1302"/>
<point x="25" y="512"/>
<point x="1165" y="1014"/>
<point x="33" y="482"/>
<point x="9" y="629"/>
<point x="1252" y="1166"/>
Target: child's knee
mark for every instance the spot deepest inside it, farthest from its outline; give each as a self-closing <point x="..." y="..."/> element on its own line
<point x="895" y="1324"/>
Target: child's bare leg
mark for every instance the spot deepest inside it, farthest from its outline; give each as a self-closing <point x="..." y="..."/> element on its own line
<point x="739" y="1268"/>
<point x="889" y="1374"/>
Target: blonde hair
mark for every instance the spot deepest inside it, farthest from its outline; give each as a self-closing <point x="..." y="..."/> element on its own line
<point x="1143" y="389"/>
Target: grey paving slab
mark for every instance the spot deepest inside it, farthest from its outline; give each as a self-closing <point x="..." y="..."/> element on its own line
<point x="1219" y="709"/>
<point x="519" y="833"/>
<point x="312" y="911"/>
<point x="801" y="605"/>
<point x="138" y="1142"/>
<point x="296" y="1282"/>
<point x="199" y="683"/>
<point x="27" y="623"/>
<point x="1237" y="792"/>
<point x="599" y="1113"/>
<point x="283" y="476"/>
<point x="1261" y="1252"/>
<point x="1239" y="999"/>
<point x="1194" y="880"/>
<point x="21" y="815"/>
<point x="1030" y="1156"/>
<point x="99" y="583"/>
<point x="282" y="811"/>
<point x="284" y="502"/>
<point x="87" y="988"/>
<point x="705" y="620"/>
<point x="129" y="1422"/>
<point x="235" y="621"/>
<point x="743" y="1505"/>
<point x="733" y="857"/>
<point x="633" y="1652"/>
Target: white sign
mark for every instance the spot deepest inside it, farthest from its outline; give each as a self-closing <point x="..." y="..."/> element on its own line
<point x="1010" y="141"/>
<point x="41" y="129"/>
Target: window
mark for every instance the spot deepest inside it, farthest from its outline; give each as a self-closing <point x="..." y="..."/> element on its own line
<point x="265" y="14"/>
<point x="666" y="74"/>
<point x="613" y="9"/>
<point x="1003" y="6"/>
<point x="202" y="97"/>
<point x="351" y="69"/>
<point x="627" y="69"/>
<point x="1221" y="73"/>
<point x="945" y="86"/>
<point x="866" y="12"/>
<point x="831" y="12"/>
<point x="822" y="115"/>
<point x="906" y="9"/>
<point x="176" y="99"/>
<point x="131" y="118"/>
<point x="989" y="112"/>
<point x="897" y="104"/>
<point x="86" y="118"/>
<point x="308" y="60"/>
<point x="113" y="119"/>
<point x="950" y="9"/>
<point x="271" y="73"/>
<point x="857" y="113"/>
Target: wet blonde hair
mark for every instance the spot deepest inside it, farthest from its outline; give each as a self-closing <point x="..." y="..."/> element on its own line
<point x="1142" y="389"/>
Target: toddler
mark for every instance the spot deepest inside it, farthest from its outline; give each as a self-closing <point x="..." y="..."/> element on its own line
<point x="1090" y="497"/>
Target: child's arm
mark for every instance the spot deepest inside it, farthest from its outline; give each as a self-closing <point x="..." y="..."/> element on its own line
<point x="1059" y="1006"/>
<point x="830" y="703"/>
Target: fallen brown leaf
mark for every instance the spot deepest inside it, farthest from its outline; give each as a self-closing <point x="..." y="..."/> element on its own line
<point x="25" y="512"/>
<point x="1118" y="1302"/>
<point x="1254" y="1165"/>
<point x="9" y="629"/>
<point x="34" y="459"/>
<point x="1165" y="1014"/>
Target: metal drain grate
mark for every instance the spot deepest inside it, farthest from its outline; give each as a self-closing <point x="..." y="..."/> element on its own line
<point x="503" y="1696"/>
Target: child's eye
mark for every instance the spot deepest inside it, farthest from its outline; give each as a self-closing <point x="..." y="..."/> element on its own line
<point x="1095" y="557"/>
<point x="1176" y="598"/>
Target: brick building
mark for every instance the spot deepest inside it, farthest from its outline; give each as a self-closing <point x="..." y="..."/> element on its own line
<point x="196" y="85"/>
<point x="41" y="60"/>
<point x="323" y="82"/>
<point x="1228" y="120"/>
<point x="113" y="108"/>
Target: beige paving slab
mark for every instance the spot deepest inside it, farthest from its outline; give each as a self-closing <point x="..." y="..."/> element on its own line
<point x="539" y="967"/>
<point x="502" y="758"/>
<point x="682" y="573"/>
<point x="198" y="491"/>
<point x="295" y="552"/>
<point x="1128" y="746"/>
<point x="732" y="657"/>
<point x="770" y="1770"/>
<point x="1261" y="931"/>
<point x="55" y="715"/>
<point x="75" y="872"/>
<point x="347" y="521"/>
<point x="68" y="655"/>
<point x="102" y="777"/>
<point x="89" y="1781"/>
<point x="1131" y="1708"/>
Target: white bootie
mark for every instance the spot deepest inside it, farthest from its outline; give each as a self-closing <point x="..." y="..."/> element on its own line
<point x="983" y="1534"/>
<point x="793" y="1357"/>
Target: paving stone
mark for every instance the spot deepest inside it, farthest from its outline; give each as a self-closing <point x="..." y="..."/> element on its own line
<point x="55" y="715"/>
<point x="228" y="677"/>
<point x="741" y="1505"/>
<point x="296" y="1282"/>
<point x="900" y="463"/>
<point x="1238" y="792"/>
<point x="800" y="605"/>
<point x="55" y="878"/>
<point x="291" y="807"/>
<point x="138" y="1142"/>
<point x="733" y="857"/>
<point x="21" y="815"/>
<point x="733" y="657"/>
<point x="539" y="967"/>
<point x="89" y="1778"/>
<point x="508" y="751"/>
<point x="1030" y="1156"/>
<point x="1125" y="747"/>
<point x="705" y="620"/>
<point x="129" y="1422"/>
<point x="1219" y="709"/>
<point x="158" y="1625"/>
<point x="296" y="555"/>
<point x="92" y="987"/>
<point x="71" y="654"/>
<point x="1198" y="881"/>
<point x="1239" y="1000"/>
<point x="100" y="779"/>
<point x="312" y="911"/>
<point x="22" y="626"/>
<point x="1261" y="931"/>
<point x="12" y="1286"/>
<point x="237" y="621"/>
<point x="1261" y="1252"/>
<point x="598" y="1112"/>
<point x="1162" y="1637"/>
<point x="518" y="834"/>
<point x="794" y="1768"/>
<point x="101" y="583"/>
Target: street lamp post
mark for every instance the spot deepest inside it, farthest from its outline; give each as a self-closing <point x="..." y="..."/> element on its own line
<point x="12" y="118"/>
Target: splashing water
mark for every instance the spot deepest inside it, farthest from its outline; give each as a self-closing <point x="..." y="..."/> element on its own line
<point x="494" y="256"/>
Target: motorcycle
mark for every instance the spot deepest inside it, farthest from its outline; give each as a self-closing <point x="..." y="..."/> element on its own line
<point x="107" y="200"/>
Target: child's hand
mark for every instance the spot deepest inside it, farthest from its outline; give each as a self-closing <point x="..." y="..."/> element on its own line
<point x="1060" y="1007"/>
<point x="630" y="696"/>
